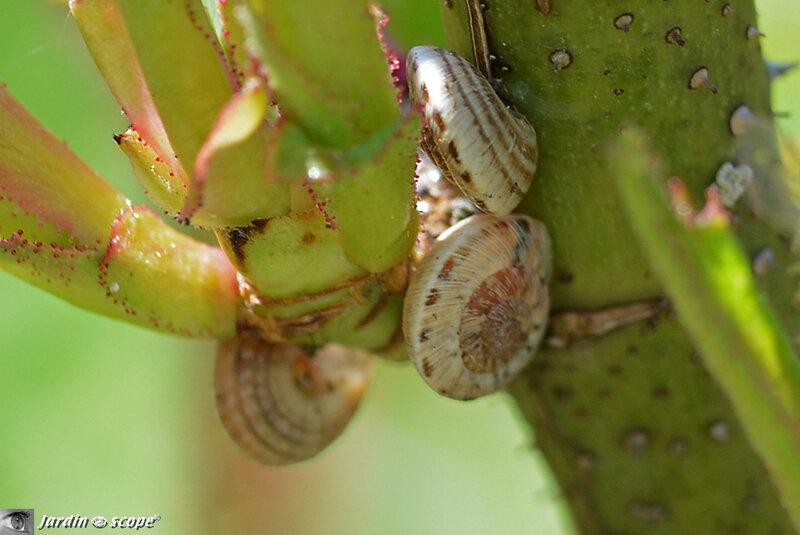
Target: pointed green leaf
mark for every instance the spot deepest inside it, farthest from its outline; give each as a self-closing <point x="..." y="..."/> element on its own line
<point x="230" y="36"/>
<point x="325" y="64"/>
<point x="230" y="186"/>
<point x="376" y="240"/>
<point x="708" y="278"/>
<point x="157" y="179"/>
<point x="160" y="58"/>
<point x="105" y="32"/>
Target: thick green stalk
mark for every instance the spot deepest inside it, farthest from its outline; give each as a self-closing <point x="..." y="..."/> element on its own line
<point x="638" y="434"/>
<point x="65" y="229"/>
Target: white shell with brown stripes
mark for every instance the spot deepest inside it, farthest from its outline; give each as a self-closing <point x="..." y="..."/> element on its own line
<point x="477" y="305"/>
<point x="281" y="405"/>
<point x="486" y="149"/>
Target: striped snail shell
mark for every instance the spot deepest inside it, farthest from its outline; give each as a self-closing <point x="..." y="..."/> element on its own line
<point x="477" y="305"/>
<point x="478" y="143"/>
<point x="282" y="406"/>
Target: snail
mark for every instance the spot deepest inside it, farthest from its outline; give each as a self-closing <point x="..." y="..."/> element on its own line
<point x="483" y="147"/>
<point x="281" y="405"/>
<point x="477" y="305"/>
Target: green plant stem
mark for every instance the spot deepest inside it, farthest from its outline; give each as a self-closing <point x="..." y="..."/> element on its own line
<point x="638" y="434"/>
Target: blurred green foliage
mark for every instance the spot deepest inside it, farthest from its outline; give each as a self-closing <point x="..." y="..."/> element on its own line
<point x="101" y="418"/>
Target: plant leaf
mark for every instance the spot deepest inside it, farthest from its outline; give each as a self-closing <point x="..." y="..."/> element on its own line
<point x="154" y="175"/>
<point x="66" y="230"/>
<point x="42" y="178"/>
<point x="323" y="59"/>
<point x="163" y="64"/>
<point x="376" y="240"/>
<point x="281" y="256"/>
<point x="230" y="35"/>
<point x="167" y="280"/>
<point x="106" y="35"/>
<point x="230" y="185"/>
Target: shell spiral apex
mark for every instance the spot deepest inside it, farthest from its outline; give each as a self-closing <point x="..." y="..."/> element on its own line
<point x="477" y="305"/>
<point x="281" y="405"/>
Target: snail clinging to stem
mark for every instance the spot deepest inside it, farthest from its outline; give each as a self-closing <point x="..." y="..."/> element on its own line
<point x="477" y="303"/>
<point x="486" y="149"/>
<point x="477" y="306"/>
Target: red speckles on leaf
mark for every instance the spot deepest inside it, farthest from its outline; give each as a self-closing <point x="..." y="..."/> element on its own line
<point x="396" y="64"/>
<point x="231" y="70"/>
<point x="330" y="220"/>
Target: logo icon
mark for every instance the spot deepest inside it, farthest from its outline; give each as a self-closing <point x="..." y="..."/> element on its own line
<point x="16" y="521"/>
<point x="99" y="522"/>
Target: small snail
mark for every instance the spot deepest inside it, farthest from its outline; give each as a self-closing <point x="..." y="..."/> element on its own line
<point x="479" y="144"/>
<point x="477" y="306"/>
<point x="282" y="406"/>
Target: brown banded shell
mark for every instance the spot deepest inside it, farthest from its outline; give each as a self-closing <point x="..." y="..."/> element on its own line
<point x="281" y="405"/>
<point x="477" y="305"/>
<point x="479" y="144"/>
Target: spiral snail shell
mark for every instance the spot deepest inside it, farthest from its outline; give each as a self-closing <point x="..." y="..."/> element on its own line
<point x="281" y="405"/>
<point x="477" y="305"/>
<point x="478" y="143"/>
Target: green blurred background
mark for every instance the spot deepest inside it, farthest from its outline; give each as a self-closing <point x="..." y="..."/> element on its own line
<point x="102" y="418"/>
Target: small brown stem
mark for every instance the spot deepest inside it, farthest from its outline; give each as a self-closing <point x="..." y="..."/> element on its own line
<point x="573" y="326"/>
